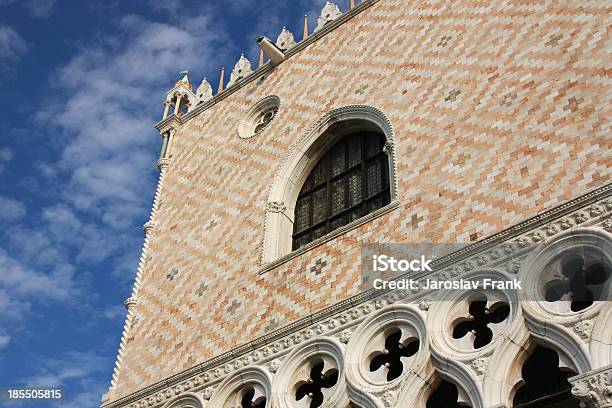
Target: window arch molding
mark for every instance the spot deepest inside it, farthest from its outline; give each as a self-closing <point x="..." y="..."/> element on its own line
<point x="424" y="385"/>
<point x="298" y="363"/>
<point x="370" y="335"/>
<point x="579" y="240"/>
<point x="228" y="392"/>
<point x="304" y="155"/>
<point x="186" y="400"/>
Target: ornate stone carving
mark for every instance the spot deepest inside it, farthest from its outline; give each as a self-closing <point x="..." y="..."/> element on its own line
<point x="241" y="70"/>
<point x="276" y="207"/>
<point x="285" y="40"/>
<point x="565" y="224"/>
<point x="480" y="365"/>
<point x="130" y="302"/>
<point x="162" y="164"/>
<point x="580" y="217"/>
<point x="513" y="266"/>
<point x="329" y="13"/>
<point x="595" y="211"/>
<point x="207" y="393"/>
<point x="148" y="227"/>
<point x="584" y="328"/>
<point x="387" y="148"/>
<point x="388" y="398"/>
<point x="551" y="230"/>
<point x="523" y="242"/>
<point x="594" y="389"/>
<point x="425" y="304"/>
<point x="274" y="365"/>
<point x="345" y="336"/>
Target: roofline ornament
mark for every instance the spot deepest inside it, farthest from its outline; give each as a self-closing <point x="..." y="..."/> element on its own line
<point x="241" y="70"/>
<point x="330" y="12"/>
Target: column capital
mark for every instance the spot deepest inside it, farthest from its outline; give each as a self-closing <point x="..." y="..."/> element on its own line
<point x="594" y="389"/>
<point x="148" y="227"/>
<point x="130" y="302"/>
<point x="162" y="164"/>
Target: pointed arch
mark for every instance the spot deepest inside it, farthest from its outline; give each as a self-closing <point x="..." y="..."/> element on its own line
<point x="303" y="157"/>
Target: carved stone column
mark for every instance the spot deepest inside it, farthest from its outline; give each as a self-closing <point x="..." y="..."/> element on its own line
<point x="594" y="389"/>
<point x="164" y="147"/>
<point x="166" y="109"/>
<point x="178" y="104"/>
<point x="171" y="132"/>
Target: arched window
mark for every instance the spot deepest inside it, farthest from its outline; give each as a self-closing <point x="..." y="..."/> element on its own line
<point x="545" y="385"/>
<point x="445" y="395"/>
<point x="350" y="181"/>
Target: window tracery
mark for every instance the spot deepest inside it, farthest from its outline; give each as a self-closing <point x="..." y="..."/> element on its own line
<point x="478" y="321"/>
<point x="318" y="384"/>
<point x="390" y="358"/>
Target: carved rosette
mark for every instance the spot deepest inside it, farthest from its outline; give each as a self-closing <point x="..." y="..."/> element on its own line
<point x="594" y="389"/>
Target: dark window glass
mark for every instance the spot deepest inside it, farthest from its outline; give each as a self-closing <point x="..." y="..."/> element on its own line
<point x="545" y="385"/>
<point x="350" y="181"/>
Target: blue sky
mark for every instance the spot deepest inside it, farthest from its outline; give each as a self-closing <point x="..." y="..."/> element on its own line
<point x="82" y="84"/>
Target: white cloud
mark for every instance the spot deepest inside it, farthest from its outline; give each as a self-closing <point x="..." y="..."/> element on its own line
<point x="115" y="313"/>
<point x="174" y="7"/>
<point x="4" y="341"/>
<point x="39" y="8"/>
<point x="108" y="115"/>
<point x="74" y="370"/>
<point x="12" y="48"/>
<point x="104" y="175"/>
<point x="6" y="155"/>
<point x="54" y="372"/>
<point x="11" y="210"/>
<point x="28" y="285"/>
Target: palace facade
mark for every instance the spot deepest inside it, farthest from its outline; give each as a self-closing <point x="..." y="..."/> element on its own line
<point x="485" y="124"/>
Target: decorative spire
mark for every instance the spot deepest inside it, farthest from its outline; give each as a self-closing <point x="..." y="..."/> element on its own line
<point x="221" y="81"/>
<point x="305" y="27"/>
<point x="184" y="80"/>
<point x="285" y="40"/>
<point x="241" y="69"/>
<point x="352" y="4"/>
<point x="204" y="91"/>
<point x="261" y="57"/>
<point x="330" y="12"/>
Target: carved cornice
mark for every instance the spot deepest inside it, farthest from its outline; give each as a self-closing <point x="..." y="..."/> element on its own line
<point x="594" y="389"/>
<point x="170" y="124"/>
<point x="340" y="319"/>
